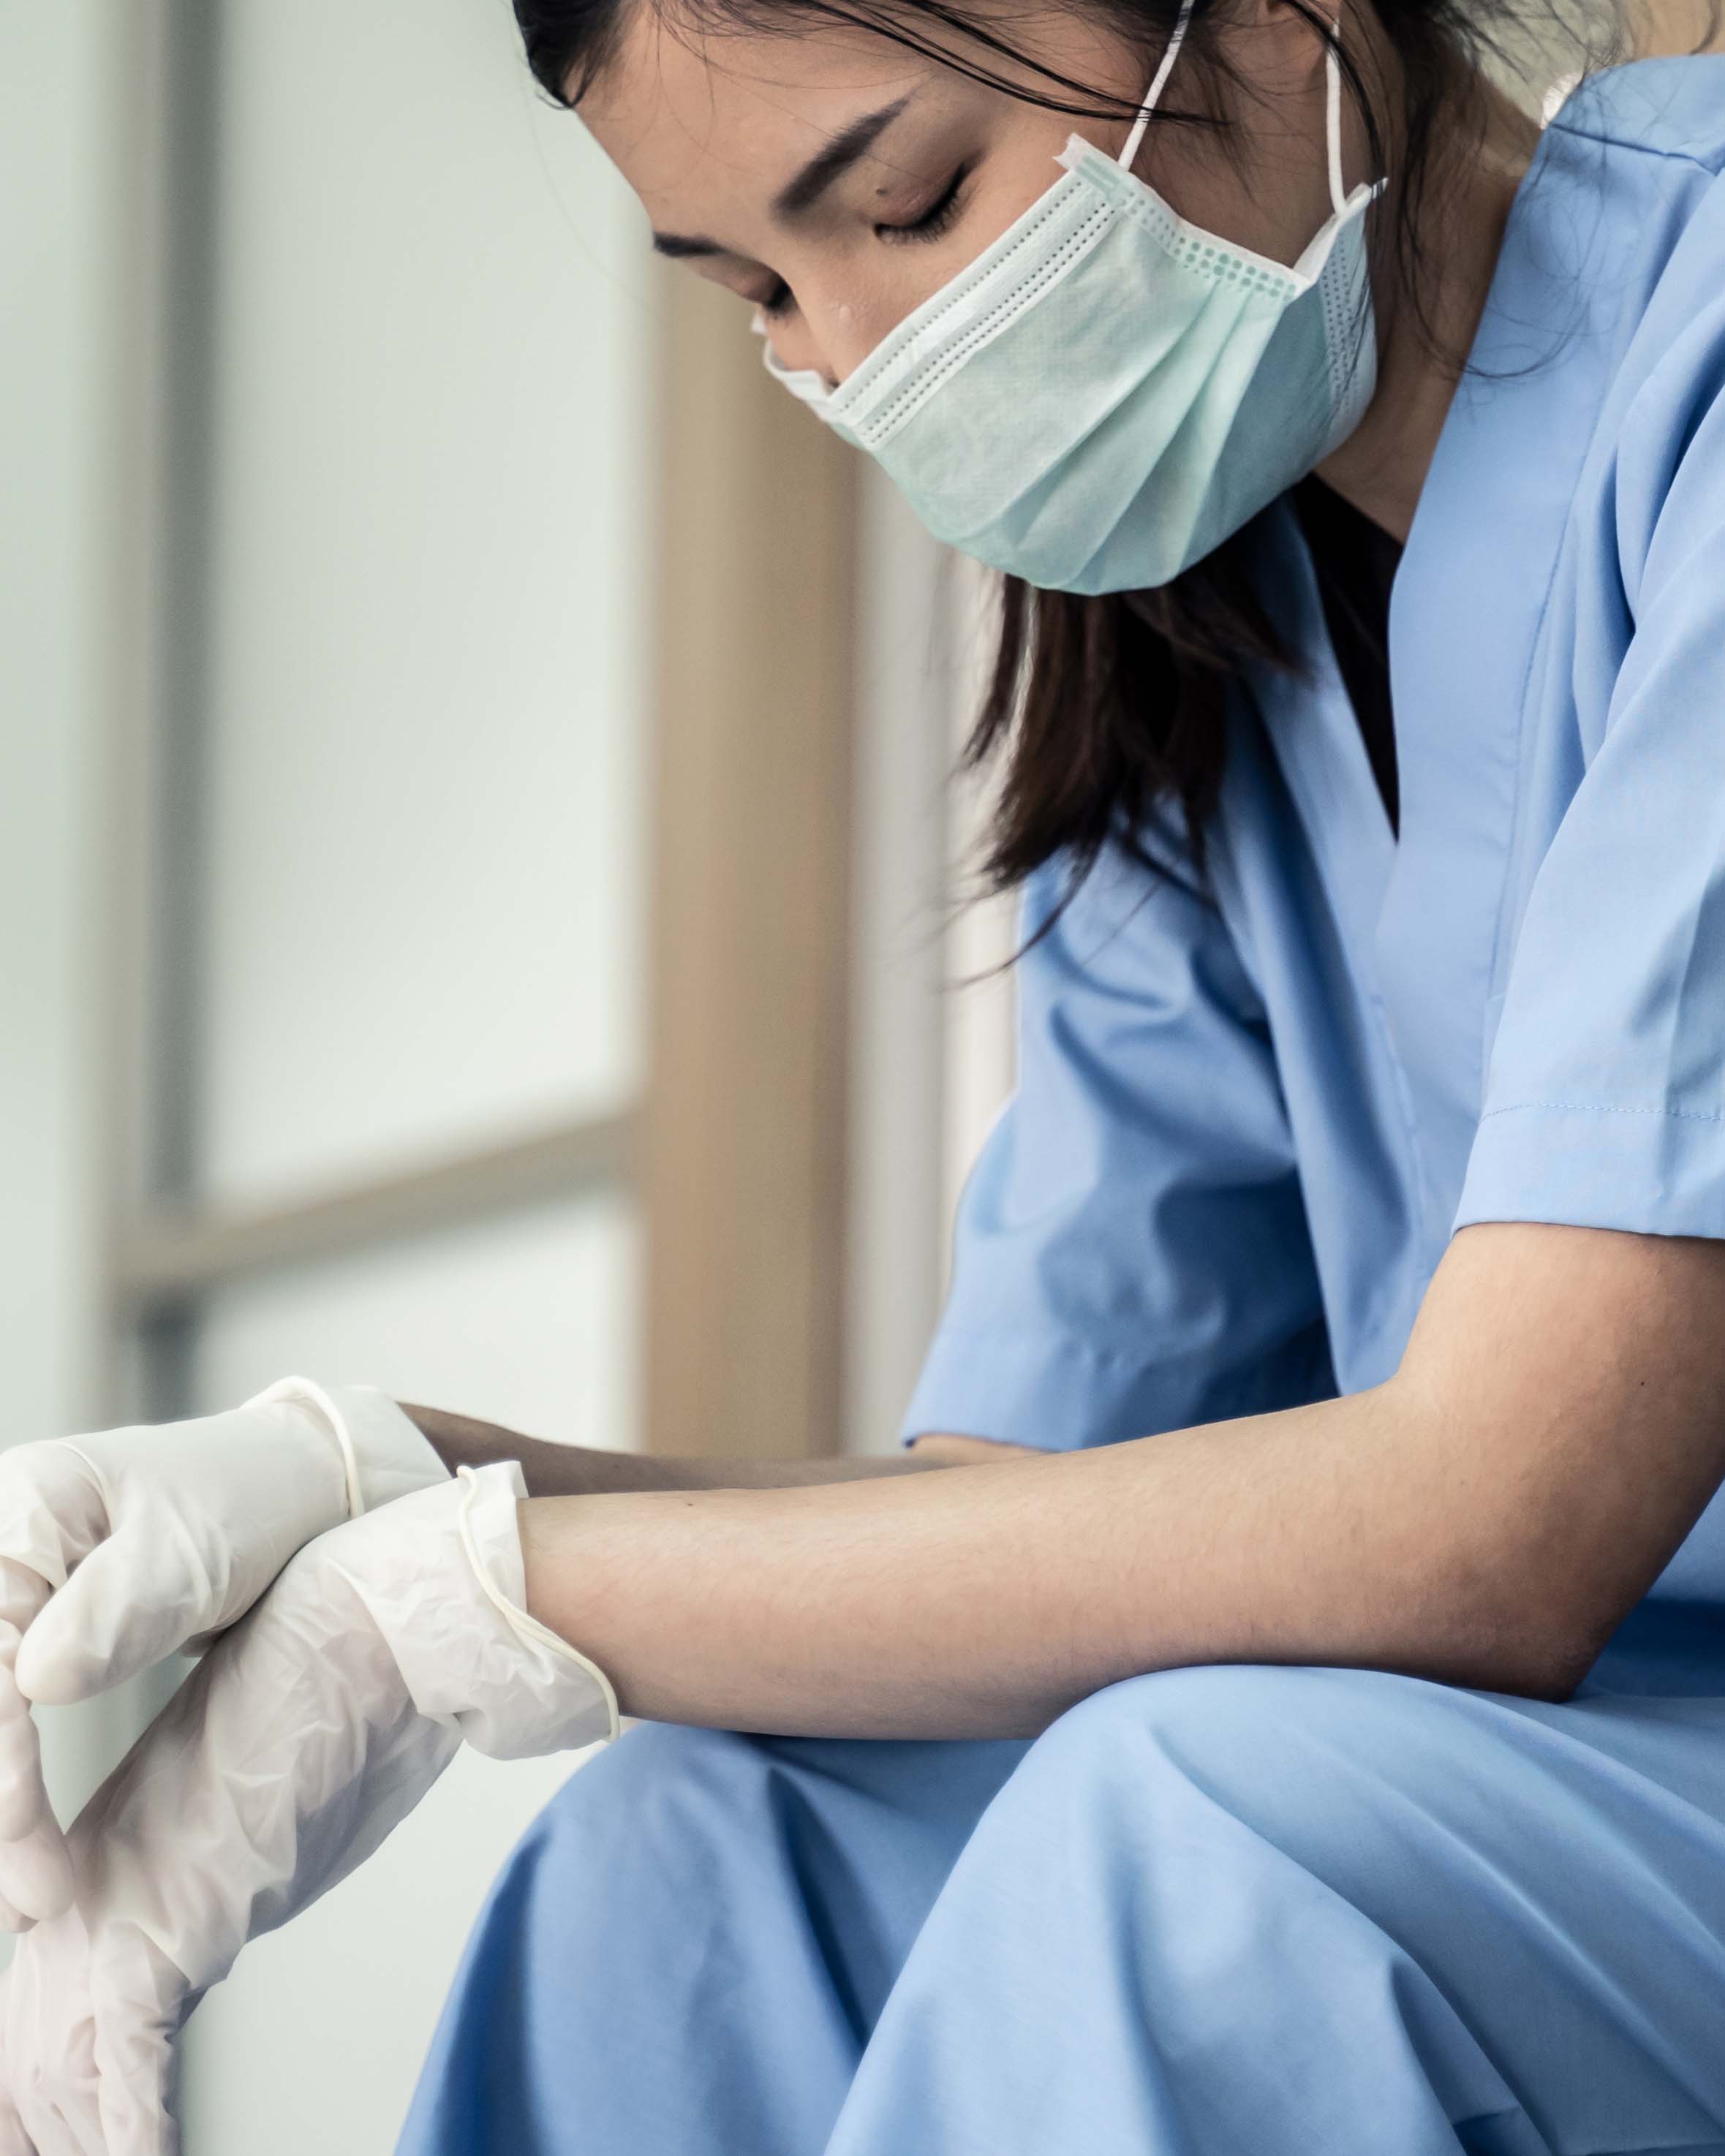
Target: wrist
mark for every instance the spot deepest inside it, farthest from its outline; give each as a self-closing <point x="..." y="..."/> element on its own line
<point x="937" y="1449"/>
<point x="442" y="1575"/>
<point x="459" y="1441"/>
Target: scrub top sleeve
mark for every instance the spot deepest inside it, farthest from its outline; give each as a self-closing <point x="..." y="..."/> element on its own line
<point x="1604" y="1100"/>
<point x="1131" y="1252"/>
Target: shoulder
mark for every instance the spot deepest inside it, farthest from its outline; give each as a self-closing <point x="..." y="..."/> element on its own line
<point x="1662" y="108"/>
<point x="1623" y="210"/>
<point x="1632" y="217"/>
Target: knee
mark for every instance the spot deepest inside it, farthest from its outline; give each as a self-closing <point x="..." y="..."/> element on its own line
<point x="1255" y="1714"/>
<point x="642" y="1798"/>
<point x="1310" y="1758"/>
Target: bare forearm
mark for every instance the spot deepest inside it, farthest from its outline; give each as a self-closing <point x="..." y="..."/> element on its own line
<point x="574" y="1470"/>
<point x="985" y="1603"/>
<point x="1485" y="1518"/>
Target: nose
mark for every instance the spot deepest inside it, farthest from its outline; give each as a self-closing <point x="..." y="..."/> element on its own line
<point x="793" y="355"/>
<point x="830" y="348"/>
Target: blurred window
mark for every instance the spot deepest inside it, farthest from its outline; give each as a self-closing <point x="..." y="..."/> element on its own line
<point x="389" y="806"/>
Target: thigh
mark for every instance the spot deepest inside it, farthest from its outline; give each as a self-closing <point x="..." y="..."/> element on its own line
<point x="1330" y="1912"/>
<point x="687" y="1952"/>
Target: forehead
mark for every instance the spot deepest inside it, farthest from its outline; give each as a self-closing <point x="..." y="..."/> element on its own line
<point x="681" y="101"/>
<point x="691" y="99"/>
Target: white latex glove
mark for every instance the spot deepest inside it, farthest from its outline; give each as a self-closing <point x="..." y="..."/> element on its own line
<point x="300" y="1741"/>
<point x="118" y="1548"/>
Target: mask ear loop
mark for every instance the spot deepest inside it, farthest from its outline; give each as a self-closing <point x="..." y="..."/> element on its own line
<point x="1333" y="114"/>
<point x="1332" y="102"/>
<point x="1134" y="142"/>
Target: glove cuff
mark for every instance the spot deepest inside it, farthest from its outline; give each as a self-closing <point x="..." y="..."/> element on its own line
<point x="384" y="1453"/>
<point x="442" y="1578"/>
<point x="560" y="1687"/>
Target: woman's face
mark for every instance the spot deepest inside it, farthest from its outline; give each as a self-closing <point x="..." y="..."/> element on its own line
<point x="836" y="181"/>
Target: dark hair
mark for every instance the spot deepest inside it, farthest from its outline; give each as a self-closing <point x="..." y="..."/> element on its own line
<point x="1097" y="708"/>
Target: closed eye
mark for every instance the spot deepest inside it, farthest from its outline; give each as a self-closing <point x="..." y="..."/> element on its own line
<point x="940" y="215"/>
<point x="936" y="218"/>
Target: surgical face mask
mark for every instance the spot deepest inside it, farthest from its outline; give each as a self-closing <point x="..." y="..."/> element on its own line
<point x="1107" y="392"/>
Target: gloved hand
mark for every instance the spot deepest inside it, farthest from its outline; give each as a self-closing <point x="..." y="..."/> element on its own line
<point x="118" y="1548"/>
<point x="303" y="1736"/>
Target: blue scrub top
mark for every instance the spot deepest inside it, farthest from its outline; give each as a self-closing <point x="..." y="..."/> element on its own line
<point x="1250" y="1114"/>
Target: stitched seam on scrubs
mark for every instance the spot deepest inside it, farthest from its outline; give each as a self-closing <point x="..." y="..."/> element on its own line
<point x="1127" y="1357"/>
<point x="1602" y="1108"/>
<point x="1516" y="796"/>
<point x="1310" y="604"/>
<point x="1674" y="157"/>
<point x="1235" y="1381"/>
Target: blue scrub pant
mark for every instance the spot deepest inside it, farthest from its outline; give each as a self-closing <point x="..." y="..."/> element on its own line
<point x="1233" y="1910"/>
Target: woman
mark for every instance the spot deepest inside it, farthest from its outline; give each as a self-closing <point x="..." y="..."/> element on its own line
<point x="1298" y="1723"/>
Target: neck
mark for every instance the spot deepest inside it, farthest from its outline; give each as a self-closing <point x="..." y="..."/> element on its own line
<point x="1423" y="349"/>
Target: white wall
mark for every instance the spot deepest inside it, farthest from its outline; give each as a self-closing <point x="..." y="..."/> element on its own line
<point x="316" y="2042"/>
<point x="420" y="903"/>
<point x="59" y="104"/>
<point x="422" y="909"/>
<point x="54" y="264"/>
<point x="426" y="680"/>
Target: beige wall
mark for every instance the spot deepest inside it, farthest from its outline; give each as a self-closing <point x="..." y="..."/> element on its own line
<point x="1677" y="26"/>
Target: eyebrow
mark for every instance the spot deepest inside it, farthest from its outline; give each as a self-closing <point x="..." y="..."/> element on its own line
<point x="681" y="248"/>
<point x="800" y="193"/>
<point x="830" y="163"/>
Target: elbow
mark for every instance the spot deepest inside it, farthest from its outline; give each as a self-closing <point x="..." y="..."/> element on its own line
<point x="1559" y="1672"/>
<point x="1551" y="1677"/>
<point x="1554" y="1681"/>
<point x="1541" y="1652"/>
